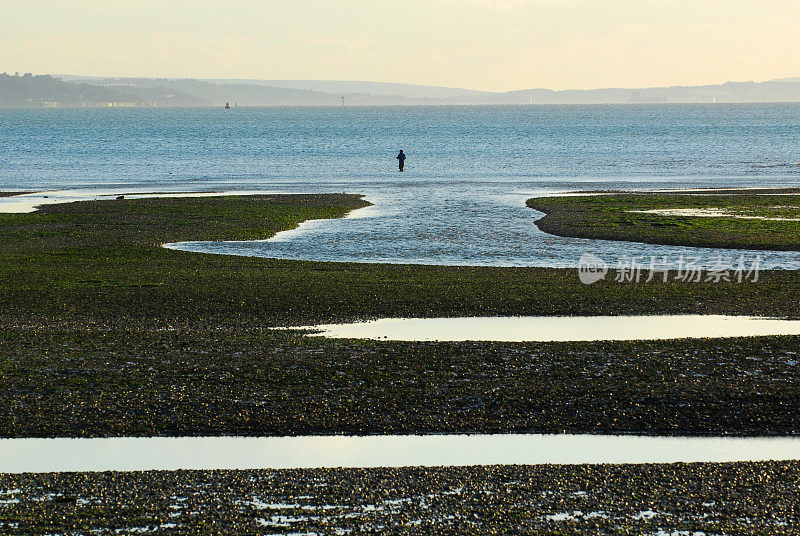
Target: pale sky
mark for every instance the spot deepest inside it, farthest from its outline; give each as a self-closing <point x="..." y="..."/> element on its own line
<point x="496" y="45"/>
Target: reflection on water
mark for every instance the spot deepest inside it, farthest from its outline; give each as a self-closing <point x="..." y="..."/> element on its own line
<point x="165" y="453"/>
<point x="711" y="213"/>
<point x="29" y="202"/>
<point x="560" y="328"/>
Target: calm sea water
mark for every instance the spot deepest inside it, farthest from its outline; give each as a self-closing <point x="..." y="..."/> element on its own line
<point x="469" y="169"/>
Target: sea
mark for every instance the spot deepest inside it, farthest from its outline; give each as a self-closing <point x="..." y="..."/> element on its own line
<point x="461" y="198"/>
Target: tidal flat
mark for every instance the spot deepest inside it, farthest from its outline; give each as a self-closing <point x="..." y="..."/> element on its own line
<point x="106" y="333"/>
<point x="100" y="265"/>
<point x="673" y="499"/>
<point x="755" y="219"/>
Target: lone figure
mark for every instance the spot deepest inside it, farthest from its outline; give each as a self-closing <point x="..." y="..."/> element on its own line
<point x="401" y="159"/>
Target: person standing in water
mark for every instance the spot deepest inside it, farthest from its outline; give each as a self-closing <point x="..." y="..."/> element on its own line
<point x="401" y="159"/>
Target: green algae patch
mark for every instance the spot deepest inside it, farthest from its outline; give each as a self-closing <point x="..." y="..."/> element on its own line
<point x="741" y="220"/>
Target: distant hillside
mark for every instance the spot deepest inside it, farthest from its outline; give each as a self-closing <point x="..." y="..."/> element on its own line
<point x="157" y="94"/>
<point x="41" y="91"/>
<point x="253" y="93"/>
<point x="330" y="92"/>
<point x="188" y="92"/>
<point x="375" y="89"/>
<point x="772" y="91"/>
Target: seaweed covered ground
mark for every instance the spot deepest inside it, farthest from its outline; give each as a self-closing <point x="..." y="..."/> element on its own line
<point x="676" y="499"/>
<point x="613" y="216"/>
<point x="260" y="383"/>
<point x="107" y="333"/>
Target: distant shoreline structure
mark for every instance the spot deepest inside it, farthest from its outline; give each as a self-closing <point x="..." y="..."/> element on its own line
<point x="46" y="91"/>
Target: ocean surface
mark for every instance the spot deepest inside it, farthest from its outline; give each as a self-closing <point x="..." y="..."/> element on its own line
<point x="468" y="173"/>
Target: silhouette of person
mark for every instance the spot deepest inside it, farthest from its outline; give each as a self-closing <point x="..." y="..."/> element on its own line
<point x="401" y="159"/>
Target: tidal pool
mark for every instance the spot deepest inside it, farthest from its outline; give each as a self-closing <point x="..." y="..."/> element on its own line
<point x="559" y="328"/>
<point x="172" y="453"/>
<point x="711" y="213"/>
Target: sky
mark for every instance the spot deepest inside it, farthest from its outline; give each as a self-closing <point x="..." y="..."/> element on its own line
<point x="494" y="45"/>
